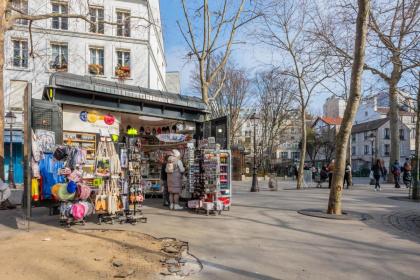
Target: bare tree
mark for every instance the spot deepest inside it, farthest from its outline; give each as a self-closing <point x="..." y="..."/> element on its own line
<point x="334" y="204"/>
<point x="285" y="29"/>
<point x="392" y="47"/>
<point x="212" y="29"/>
<point x="275" y="107"/>
<point x="233" y="95"/>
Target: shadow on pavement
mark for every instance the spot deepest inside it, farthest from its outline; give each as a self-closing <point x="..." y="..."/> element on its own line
<point x="252" y="275"/>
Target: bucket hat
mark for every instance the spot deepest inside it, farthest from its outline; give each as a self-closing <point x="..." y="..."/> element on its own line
<point x="83" y="191"/>
<point x="63" y="194"/>
<point x="71" y="187"/>
<point x="78" y="211"/>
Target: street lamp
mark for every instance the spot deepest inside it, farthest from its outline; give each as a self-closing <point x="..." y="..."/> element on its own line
<point x="372" y="138"/>
<point x="11" y="120"/>
<point x="254" y="187"/>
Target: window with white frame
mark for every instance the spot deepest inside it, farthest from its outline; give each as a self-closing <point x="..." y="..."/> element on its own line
<point x="97" y="18"/>
<point x="123" y="23"/>
<point x="353" y="150"/>
<point x="366" y="149"/>
<point x="22" y="7"/>
<point x="386" y="150"/>
<point x="97" y="60"/>
<point x="20" y="53"/>
<point x="123" y="68"/>
<point x="60" y="22"/>
<point x="59" y="56"/>
<point x="402" y="134"/>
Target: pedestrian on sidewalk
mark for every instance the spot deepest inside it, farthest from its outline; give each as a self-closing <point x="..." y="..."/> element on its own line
<point x="331" y="167"/>
<point x="377" y="174"/>
<point x="396" y="171"/>
<point x="407" y="178"/>
<point x="347" y="175"/>
<point x="164" y="182"/>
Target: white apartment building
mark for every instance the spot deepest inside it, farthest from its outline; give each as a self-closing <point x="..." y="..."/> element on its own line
<point x="122" y="43"/>
<point x="377" y="107"/>
<point x="372" y="140"/>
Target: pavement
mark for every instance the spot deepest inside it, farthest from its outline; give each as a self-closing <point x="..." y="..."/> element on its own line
<point x="263" y="236"/>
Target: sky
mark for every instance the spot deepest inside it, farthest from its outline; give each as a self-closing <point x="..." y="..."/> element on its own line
<point x="248" y="55"/>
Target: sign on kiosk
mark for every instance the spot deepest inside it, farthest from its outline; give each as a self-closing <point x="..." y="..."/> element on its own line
<point x="93" y="121"/>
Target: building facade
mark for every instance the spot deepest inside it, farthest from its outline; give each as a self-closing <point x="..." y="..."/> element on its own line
<point x="121" y="42"/>
<point x="371" y="140"/>
<point x="377" y="107"/>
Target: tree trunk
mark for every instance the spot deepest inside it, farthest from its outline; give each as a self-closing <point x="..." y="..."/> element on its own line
<point x="394" y="121"/>
<point x="334" y="204"/>
<point x="416" y="176"/>
<point x="2" y="95"/>
<point x="302" y="150"/>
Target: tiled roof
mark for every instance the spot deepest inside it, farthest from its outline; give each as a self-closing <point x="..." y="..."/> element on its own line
<point x="331" y="121"/>
<point x="368" y="126"/>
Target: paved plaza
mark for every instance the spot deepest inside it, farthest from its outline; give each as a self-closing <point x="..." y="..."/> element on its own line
<point x="263" y="237"/>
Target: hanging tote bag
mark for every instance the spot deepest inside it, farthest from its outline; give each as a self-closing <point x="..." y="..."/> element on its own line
<point x="35" y="189"/>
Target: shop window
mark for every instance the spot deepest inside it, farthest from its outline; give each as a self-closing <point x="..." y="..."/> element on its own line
<point x="59" y="56"/>
<point x="123" y="23"/>
<point x="96" y="66"/>
<point x="22" y="6"/>
<point x="123" y="68"/>
<point x="60" y="22"/>
<point x="20" y="53"/>
<point x="97" y="18"/>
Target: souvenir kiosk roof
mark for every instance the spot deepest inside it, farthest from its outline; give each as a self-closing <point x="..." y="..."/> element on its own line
<point x="98" y="93"/>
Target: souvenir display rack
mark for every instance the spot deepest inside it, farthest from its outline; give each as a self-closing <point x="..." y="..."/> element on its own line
<point x="210" y="174"/>
<point x="136" y="184"/>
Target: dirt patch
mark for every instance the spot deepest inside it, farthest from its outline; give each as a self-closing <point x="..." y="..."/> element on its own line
<point x="86" y="254"/>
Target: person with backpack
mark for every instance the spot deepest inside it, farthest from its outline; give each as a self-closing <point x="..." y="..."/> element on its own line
<point x="407" y="173"/>
<point x="174" y="169"/>
<point x="377" y="173"/>
<point x="396" y="171"/>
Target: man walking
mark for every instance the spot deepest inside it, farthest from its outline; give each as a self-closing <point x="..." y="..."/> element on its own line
<point x="396" y="171"/>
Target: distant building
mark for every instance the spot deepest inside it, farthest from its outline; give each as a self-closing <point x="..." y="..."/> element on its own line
<point x="326" y="130"/>
<point x="334" y="107"/>
<point x="372" y="140"/>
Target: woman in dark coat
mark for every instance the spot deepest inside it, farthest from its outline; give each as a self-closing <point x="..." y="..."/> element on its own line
<point x="377" y="174"/>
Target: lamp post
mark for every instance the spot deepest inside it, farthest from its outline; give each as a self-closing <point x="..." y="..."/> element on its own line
<point x="372" y="138"/>
<point x="11" y="120"/>
<point x="254" y="187"/>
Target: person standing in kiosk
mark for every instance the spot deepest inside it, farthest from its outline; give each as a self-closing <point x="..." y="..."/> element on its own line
<point x="174" y="170"/>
